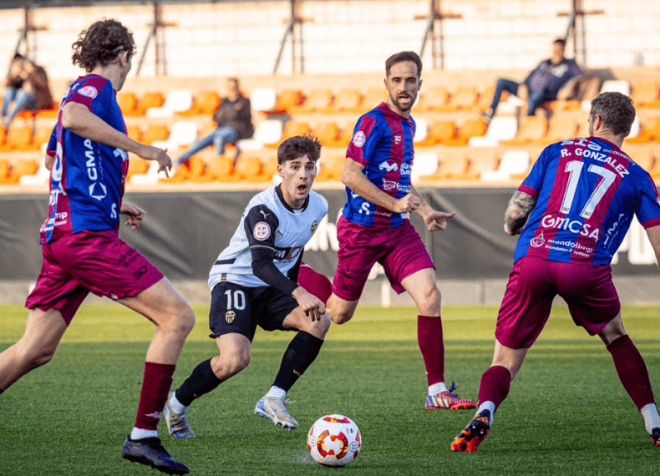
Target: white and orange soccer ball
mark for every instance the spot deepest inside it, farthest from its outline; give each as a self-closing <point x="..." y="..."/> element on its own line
<point x="334" y="440"/>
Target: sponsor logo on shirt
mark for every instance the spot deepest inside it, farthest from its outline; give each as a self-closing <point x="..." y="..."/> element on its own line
<point x="97" y="190"/>
<point x="88" y="91"/>
<point x="359" y="139"/>
<point x="389" y="167"/>
<point x="574" y="226"/>
<point x="406" y="168"/>
<point x="261" y="231"/>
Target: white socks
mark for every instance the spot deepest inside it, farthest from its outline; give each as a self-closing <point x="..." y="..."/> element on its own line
<point x="487" y="406"/>
<point x="276" y="392"/>
<point x="176" y="405"/>
<point x="651" y="417"/>
<point x="139" y="434"/>
<point x="436" y="388"/>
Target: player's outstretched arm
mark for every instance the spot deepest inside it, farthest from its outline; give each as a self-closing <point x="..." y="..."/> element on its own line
<point x="434" y="220"/>
<point x="520" y="206"/>
<point x="654" y="237"/>
<point x="81" y="121"/>
<point x="353" y="177"/>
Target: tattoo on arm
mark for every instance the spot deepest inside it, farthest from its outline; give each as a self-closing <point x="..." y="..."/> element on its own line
<point x="520" y="206"/>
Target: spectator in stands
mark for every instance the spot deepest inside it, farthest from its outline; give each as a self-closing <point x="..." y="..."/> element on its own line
<point x="234" y="122"/>
<point x="27" y="87"/>
<point x="542" y="84"/>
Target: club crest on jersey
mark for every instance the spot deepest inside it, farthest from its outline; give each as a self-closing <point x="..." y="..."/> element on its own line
<point x="230" y="316"/>
<point x="261" y="231"/>
<point x="359" y="139"/>
<point x="312" y="229"/>
<point x="88" y="91"/>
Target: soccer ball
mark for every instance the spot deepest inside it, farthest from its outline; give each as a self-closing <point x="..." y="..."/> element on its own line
<point x="334" y="440"/>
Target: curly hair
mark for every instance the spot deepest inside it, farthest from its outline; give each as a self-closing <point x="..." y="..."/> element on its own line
<point x="297" y="146"/>
<point x="101" y="43"/>
<point x="616" y="110"/>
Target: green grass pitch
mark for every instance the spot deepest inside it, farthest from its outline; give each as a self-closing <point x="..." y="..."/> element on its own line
<point x="566" y="413"/>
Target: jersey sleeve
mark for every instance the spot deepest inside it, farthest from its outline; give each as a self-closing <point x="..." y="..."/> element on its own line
<point x="532" y="183"/>
<point x="51" y="148"/>
<point x="648" y="206"/>
<point x="364" y="142"/>
<point x="96" y="94"/>
<point x="260" y="226"/>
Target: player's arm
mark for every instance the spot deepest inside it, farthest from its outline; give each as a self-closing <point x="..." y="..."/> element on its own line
<point x="433" y="219"/>
<point x="260" y="227"/>
<point x="135" y="214"/>
<point x="654" y="237"/>
<point x="520" y="206"/>
<point x="353" y="177"/>
<point x="77" y="118"/>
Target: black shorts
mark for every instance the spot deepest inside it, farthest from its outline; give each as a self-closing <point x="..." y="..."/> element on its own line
<point x="238" y="309"/>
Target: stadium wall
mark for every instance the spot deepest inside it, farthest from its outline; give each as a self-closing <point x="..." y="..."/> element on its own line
<point x="243" y="38"/>
<point x="184" y="232"/>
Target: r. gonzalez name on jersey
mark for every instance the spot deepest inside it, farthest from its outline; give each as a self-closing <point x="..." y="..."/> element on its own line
<point x="268" y="222"/>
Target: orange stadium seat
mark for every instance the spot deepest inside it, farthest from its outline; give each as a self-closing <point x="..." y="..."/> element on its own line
<point x="268" y="168"/>
<point x="650" y="132"/>
<point x="531" y="129"/>
<point x="128" y="104"/>
<point x="42" y="136"/>
<point x="317" y="100"/>
<point x="465" y="97"/>
<point x="19" y="138"/>
<point x="205" y="103"/>
<point x="486" y="98"/>
<point x="561" y="127"/>
<point x="149" y="100"/>
<point x="219" y="168"/>
<point x="332" y="166"/>
<point x="440" y="132"/>
<point x="134" y="132"/>
<point x="247" y="169"/>
<point x="479" y="160"/>
<point x="4" y="169"/>
<point x="646" y="94"/>
<point x="643" y="156"/>
<point x="345" y="100"/>
<point x="293" y="128"/>
<point x="450" y="166"/>
<point x="470" y="128"/>
<point x="50" y="112"/>
<point x="327" y="133"/>
<point x="371" y="99"/>
<point x="136" y="165"/>
<point x="19" y="169"/>
<point x="155" y="132"/>
<point x="432" y="99"/>
<point x="286" y="100"/>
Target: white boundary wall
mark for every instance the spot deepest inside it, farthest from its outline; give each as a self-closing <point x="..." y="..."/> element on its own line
<point x="241" y="39"/>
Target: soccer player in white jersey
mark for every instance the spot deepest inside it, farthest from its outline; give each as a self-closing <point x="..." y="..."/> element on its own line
<point x="253" y="282"/>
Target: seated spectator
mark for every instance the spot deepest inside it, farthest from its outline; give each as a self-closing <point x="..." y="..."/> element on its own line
<point x="541" y="85"/>
<point x="234" y="122"/>
<point x="27" y="87"/>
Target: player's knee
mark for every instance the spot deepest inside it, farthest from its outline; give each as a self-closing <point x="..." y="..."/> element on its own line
<point x="430" y="301"/>
<point x="341" y="317"/>
<point x="235" y="362"/>
<point x="183" y="319"/>
<point x="318" y="328"/>
<point x="36" y="357"/>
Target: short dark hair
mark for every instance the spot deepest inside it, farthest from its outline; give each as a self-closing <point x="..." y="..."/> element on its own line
<point x="616" y="110"/>
<point x="101" y="43"/>
<point x="560" y="41"/>
<point x="297" y="146"/>
<point x="401" y="57"/>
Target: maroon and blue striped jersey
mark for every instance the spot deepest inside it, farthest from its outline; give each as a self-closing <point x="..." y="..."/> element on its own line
<point x="87" y="179"/>
<point x="587" y="192"/>
<point x="383" y="144"/>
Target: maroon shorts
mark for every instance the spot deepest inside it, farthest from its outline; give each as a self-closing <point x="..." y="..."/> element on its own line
<point x="400" y="250"/>
<point x="534" y="282"/>
<point x="96" y="261"/>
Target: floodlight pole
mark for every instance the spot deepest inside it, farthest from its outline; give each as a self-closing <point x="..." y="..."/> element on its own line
<point x="576" y="13"/>
<point x="157" y="31"/>
<point x="297" y="44"/>
<point x="437" y="40"/>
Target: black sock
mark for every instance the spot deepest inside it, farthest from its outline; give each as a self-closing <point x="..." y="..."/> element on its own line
<point x="201" y="381"/>
<point x="1" y="390"/>
<point x="300" y="354"/>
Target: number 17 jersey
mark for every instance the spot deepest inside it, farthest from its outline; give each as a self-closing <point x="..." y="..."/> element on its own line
<point x="587" y="192"/>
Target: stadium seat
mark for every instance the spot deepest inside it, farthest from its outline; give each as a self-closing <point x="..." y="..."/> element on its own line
<point x="646" y="94"/>
<point x="327" y="133"/>
<point x="268" y="133"/>
<point x="500" y="129"/>
<point x="479" y="161"/>
<point x="155" y="132"/>
<point x="150" y="177"/>
<point x="465" y="97"/>
<point x="421" y="130"/>
<point x="286" y="100"/>
<point x="532" y="129"/>
<point x="440" y="132"/>
<point x="513" y="163"/>
<point x="331" y="167"/>
<point x="51" y="112"/>
<point x="219" y="168"/>
<point x="371" y="99"/>
<point x="643" y="156"/>
<point x="128" y="104"/>
<point x="134" y="132"/>
<point x="42" y="136"/>
<point x="149" y="100"/>
<point x="20" y="168"/>
<point x="5" y="169"/>
<point x="616" y="85"/>
<point x="19" y="138"/>
<point x="247" y="169"/>
<point x="40" y="177"/>
<point x="177" y="100"/>
<point x="486" y="98"/>
<point x="432" y="99"/>
<point x="268" y="168"/>
<point x="426" y="163"/>
<point x="650" y="131"/>
<point x="561" y="128"/>
<point x="317" y="100"/>
<point x="182" y="134"/>
<point x="345" y="100"/>
<point x="204" y="104"/>
<point x="136" y="165"/>
<point x="470" y="128"/>
<point x="294" y="128"/>
<point x="451" y="165"/>
<point x="263" y="99"/>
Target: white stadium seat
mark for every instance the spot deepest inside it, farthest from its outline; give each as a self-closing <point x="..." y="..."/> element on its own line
<point x="177" y="100"/>
<point x="499" y="129"/>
